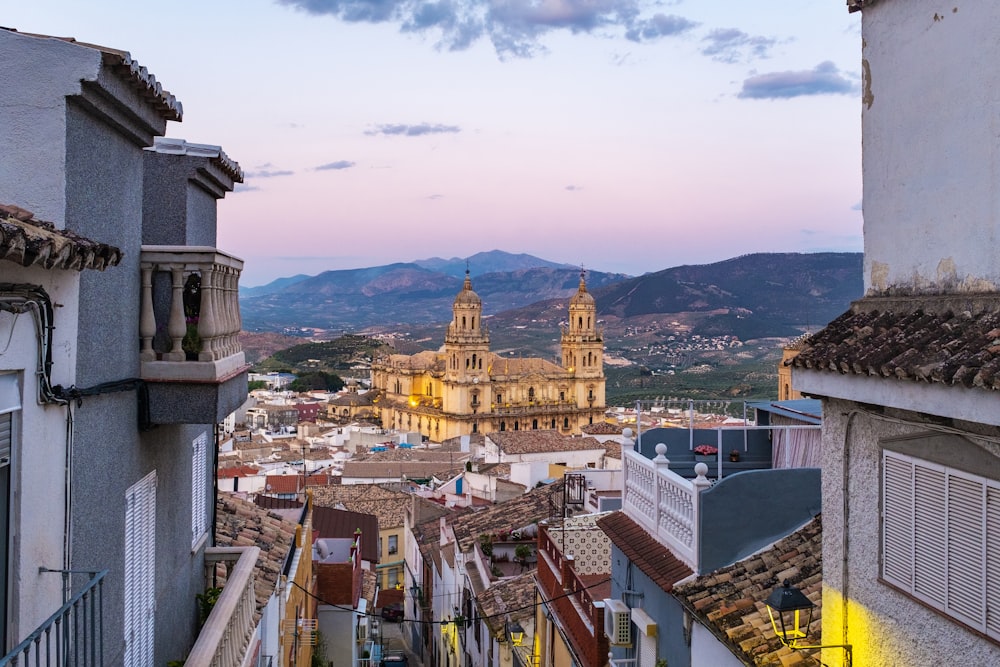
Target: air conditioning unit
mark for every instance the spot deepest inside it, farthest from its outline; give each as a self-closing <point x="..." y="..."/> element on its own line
<point x="617" y="622"/>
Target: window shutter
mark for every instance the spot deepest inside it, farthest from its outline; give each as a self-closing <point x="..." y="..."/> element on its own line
<point x="993" y="561"/>
<point x="199" y="490"/>
<point x="6" y="437"/>
<point x="140" y="571"/>
<point x="897" y="522"/>
<point x="966" y="546"/>
<point x="929" y="534"/>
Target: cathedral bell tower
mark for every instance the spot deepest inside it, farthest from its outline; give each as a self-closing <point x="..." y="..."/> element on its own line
<point x="467" y="342"/>
<point x="582" y="341"/>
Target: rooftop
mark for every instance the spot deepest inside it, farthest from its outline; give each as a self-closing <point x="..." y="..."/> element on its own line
<point x="655" y="560"/>
<point x="730" y="601"/>
<point x="387" y="505"/>
<point x="950" y="340"/>
<point x="539" y="503"/>
<point x="30" y="242"/>
<point x="537" y="442"/>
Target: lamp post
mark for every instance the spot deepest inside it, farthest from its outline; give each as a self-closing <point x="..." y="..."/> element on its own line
<point x="786" y="605"/>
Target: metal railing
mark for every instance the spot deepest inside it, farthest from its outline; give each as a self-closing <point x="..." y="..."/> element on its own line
<point x="71" y="637"/>
<point x="225" y="637"/>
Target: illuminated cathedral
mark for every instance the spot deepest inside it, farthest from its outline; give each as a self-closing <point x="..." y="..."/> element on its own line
<point x="464" y="388"/>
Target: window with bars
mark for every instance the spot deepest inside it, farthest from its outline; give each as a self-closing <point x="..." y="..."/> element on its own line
<point x="199" y="488"/>
<point x="941" y="538"/>
<point x="140" y="571"/>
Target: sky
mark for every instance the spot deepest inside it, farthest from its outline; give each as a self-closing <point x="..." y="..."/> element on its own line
<point x="618" y="135"/>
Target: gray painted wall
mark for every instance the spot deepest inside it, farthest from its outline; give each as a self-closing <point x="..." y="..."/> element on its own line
<point x="747" y="511"/>
<point x="662" y="607"/>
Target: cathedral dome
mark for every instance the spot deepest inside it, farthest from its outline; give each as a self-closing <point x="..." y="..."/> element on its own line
<point x="467" y="297"/>
<point x="582" y="296"/>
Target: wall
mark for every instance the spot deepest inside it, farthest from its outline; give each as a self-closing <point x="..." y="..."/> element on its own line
<point x="928" y="104"/>
<point x="706" y="649"/>
<point x="908" y="633"/>
<point x="671" y="643"/>
<point x="747" y="511"/>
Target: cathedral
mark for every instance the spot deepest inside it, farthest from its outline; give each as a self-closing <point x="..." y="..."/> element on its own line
<point x="463" y="388"/>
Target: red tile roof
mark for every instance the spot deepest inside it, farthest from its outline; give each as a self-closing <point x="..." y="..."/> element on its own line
<point x="655" y="560"/>
<point x="30" y="242"/>
<point x="950" y="340"/>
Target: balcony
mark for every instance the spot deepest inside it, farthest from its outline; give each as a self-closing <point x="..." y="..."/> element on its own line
<point x="189" y="328"/>
<point x="227" y="633"/>
<point x="73" y="635"/>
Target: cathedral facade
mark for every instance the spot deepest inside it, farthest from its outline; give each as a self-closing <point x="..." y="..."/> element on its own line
<point x="464" y="388"/>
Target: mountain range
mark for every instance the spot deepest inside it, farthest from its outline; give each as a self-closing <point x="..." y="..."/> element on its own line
<point x="753" y="296"/>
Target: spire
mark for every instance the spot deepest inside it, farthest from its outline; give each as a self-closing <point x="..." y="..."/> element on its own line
<point x="468" y="280"/>
<point x="583" y="280"/>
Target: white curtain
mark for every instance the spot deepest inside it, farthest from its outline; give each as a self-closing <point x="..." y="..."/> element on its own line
<point x="794" y="448"/>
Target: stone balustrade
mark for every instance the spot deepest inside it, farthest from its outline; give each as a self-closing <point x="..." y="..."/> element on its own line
<point x="663" y="502"/>
<point x="226" y="635"/>
<point x="168" y="319"/>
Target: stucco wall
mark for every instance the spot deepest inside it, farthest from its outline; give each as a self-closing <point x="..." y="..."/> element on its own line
<point x="629" y="583"/>
<point x="929" y="118"/>
<point x="886" y="627"/>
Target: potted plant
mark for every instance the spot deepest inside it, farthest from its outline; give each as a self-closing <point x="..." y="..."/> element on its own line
<point x="705" y="452"/>
<point x="734" y="455"/>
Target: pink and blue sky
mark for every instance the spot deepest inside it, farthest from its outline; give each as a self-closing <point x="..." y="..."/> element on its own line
<point x="623" y="135"/>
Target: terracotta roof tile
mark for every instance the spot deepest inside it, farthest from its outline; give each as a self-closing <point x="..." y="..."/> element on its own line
<point x="388" y="505"/>
<point x="950" y="340"/>
<point x="535" y="442"/>
<point x="509" y="598"/>
<point x="730" y="601"/>
<point x="655" y="560"/>
<point x="241" y="523"/>
<point x="602" y="428"/>
<point x="30" y="242"/>
<point x="539" y="503"/>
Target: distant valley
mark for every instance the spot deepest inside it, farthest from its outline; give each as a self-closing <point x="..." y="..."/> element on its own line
<point x="711" y="330"/>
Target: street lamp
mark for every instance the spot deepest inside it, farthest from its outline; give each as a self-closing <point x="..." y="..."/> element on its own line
<point x="516" y="633"/>
<point x="786" y="606"/>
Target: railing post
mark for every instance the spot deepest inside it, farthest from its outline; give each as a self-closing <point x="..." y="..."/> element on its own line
<point x="207" y="326"/>
<point x="177" y="326"/>
<point x="147" y="320"/>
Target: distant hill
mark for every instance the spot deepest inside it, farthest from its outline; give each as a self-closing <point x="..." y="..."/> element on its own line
<point x="398" y="295"/>
<point x="494" y="261"/>
<point x="273" y="286"/>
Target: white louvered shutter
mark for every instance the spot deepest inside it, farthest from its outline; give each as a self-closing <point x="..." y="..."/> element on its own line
<point x="993" y="561"/>
<point x="966" y="550"/>
<point x="199" y="488"/>
<point x="897" y="521"/>
<point x="929" y="534"/>
<point x="140" y="571"/>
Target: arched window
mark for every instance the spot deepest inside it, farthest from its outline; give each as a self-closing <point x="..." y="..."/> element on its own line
<point x="562" y="397"/>
<point x="503" y="426"/>
<point x="565" y="422"/>
<point x="517" y="426"/>
<point x="531" y="393"/>
<point x="588" y="321"/>
<point x="534" y="424"/>
<point x="590" y="394"/>
<point x="473" y="360"/>
<point x="579" y="323"/>
<point x="473" y="322"/>
<point x="475" y="427"/>
<point x="553" y="424"/>
<point x="463" y="322"/>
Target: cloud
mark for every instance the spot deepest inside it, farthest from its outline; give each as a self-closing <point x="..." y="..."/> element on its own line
<point x="436" y="197"/>
<point x="660" y="25"/>
<point x="729" y="45"/>
<point x="412" y="130"/>
<point x="824" y="79"/>
<point x="514" y="27"/>
<point x="266" y="173"/>
<point x="339" y="164"/>
<point x="573" y="188"/>
<point x="243" y="187"/>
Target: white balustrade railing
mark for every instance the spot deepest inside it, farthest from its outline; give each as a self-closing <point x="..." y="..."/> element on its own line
<point x="225" y="637"/>
<point x="219" y="309"/>
<point x="663" y="502"/>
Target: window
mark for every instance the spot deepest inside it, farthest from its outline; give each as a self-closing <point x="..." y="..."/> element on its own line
<point x="10" y="406"/>
<point x="140" y="571"/>
<point x="393" y="577"/>
<point x="393" y="545"/>
<point x="940" y="530"/>
<point x="199" y="488"/>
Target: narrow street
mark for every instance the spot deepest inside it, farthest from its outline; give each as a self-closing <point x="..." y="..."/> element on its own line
<point x="396" y="637"/>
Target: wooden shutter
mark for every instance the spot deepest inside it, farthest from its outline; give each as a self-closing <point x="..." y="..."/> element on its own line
<point x="929" y="534"/>
<point x="10" y="402"/>
<point x="140" y="571"/>
<point x="199" y="488"/>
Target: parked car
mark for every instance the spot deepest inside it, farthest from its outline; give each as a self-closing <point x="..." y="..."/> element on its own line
<point x="393" y="612"/>
<point x="394" y="659"/>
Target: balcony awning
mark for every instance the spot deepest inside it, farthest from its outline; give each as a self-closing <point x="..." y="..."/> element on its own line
<point x="31" y="242"/>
